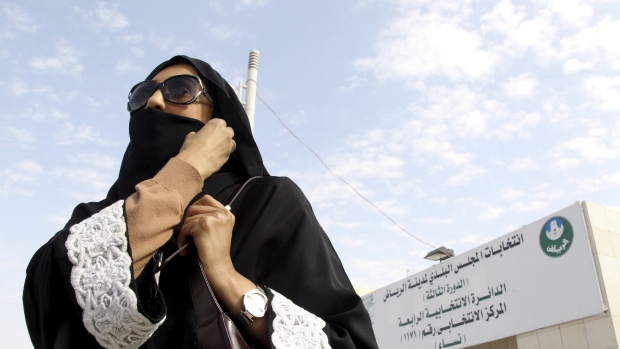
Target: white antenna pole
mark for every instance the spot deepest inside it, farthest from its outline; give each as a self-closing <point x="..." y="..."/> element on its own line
<point x="250" y="93"/>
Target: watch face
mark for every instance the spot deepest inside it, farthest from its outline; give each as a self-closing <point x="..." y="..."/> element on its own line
<point x="255" y="303"/>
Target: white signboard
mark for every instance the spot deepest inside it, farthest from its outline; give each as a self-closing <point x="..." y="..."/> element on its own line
<point x="540" y="275"/>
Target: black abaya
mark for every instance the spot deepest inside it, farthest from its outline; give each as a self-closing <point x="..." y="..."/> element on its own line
<point x="277" y="242"/>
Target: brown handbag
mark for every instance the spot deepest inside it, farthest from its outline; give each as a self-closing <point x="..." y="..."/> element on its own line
<point x="214" y="328"/>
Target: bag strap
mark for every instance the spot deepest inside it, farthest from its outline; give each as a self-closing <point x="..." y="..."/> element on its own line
<point x="237" y="190"/>
<point x="234" y="193"/>
<point x="214" y="328"/>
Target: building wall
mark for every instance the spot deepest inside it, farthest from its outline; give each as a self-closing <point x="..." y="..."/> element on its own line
<point x="600" y="331"/>
<point x="505" y="343"/>
<point x="596" y="332"/>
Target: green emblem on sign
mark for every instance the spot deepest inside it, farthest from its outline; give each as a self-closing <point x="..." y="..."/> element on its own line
<point x="556" y="236"/>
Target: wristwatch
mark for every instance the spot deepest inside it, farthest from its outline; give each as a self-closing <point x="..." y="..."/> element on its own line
<point x="254" y="305"/>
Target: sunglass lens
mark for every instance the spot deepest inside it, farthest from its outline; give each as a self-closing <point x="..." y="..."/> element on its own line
<point x="181" y="89"/>
<point x="140" y="94"/>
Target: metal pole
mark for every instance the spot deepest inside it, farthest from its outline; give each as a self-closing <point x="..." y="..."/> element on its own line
<point x="250" y="92"/>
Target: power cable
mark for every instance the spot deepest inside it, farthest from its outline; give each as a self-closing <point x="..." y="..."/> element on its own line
<point x="337" y="176"/>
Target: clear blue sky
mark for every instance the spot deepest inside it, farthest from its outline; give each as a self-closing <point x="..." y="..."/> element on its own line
<point x="463" y="120"/>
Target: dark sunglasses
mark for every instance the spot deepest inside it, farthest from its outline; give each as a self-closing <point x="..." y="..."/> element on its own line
<point x="178" y="89"/>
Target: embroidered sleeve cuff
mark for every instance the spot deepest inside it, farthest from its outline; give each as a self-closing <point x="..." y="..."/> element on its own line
<point x="181" y="177"/>
<point x="101" y="278"/>
<point x="293" y="327"/>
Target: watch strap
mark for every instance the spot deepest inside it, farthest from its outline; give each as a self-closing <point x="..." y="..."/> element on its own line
<point x="244" y="317"/>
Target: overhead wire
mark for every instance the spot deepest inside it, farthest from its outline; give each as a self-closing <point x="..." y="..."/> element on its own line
<point x="339" y="177"/>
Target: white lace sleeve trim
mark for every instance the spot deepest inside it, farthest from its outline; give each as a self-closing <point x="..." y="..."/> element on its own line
<point x="101" y="274"/>
<point x="295" y="327"/>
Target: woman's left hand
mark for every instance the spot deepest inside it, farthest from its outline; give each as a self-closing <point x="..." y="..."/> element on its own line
<point x="210" y="224"/>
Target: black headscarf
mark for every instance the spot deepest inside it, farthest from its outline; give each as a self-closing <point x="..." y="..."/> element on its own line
<point x="157" y="136"/>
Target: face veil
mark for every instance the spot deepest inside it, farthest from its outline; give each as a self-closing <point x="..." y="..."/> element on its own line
<point x="157" y="136"/>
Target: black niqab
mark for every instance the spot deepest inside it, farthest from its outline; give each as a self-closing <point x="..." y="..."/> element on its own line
<point x="157" y="136"/>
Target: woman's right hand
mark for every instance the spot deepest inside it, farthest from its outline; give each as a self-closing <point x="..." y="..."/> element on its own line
<point x="209" y="148"/>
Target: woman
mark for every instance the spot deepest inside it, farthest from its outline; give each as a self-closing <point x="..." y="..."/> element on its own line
<point x="93" y="284"/>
